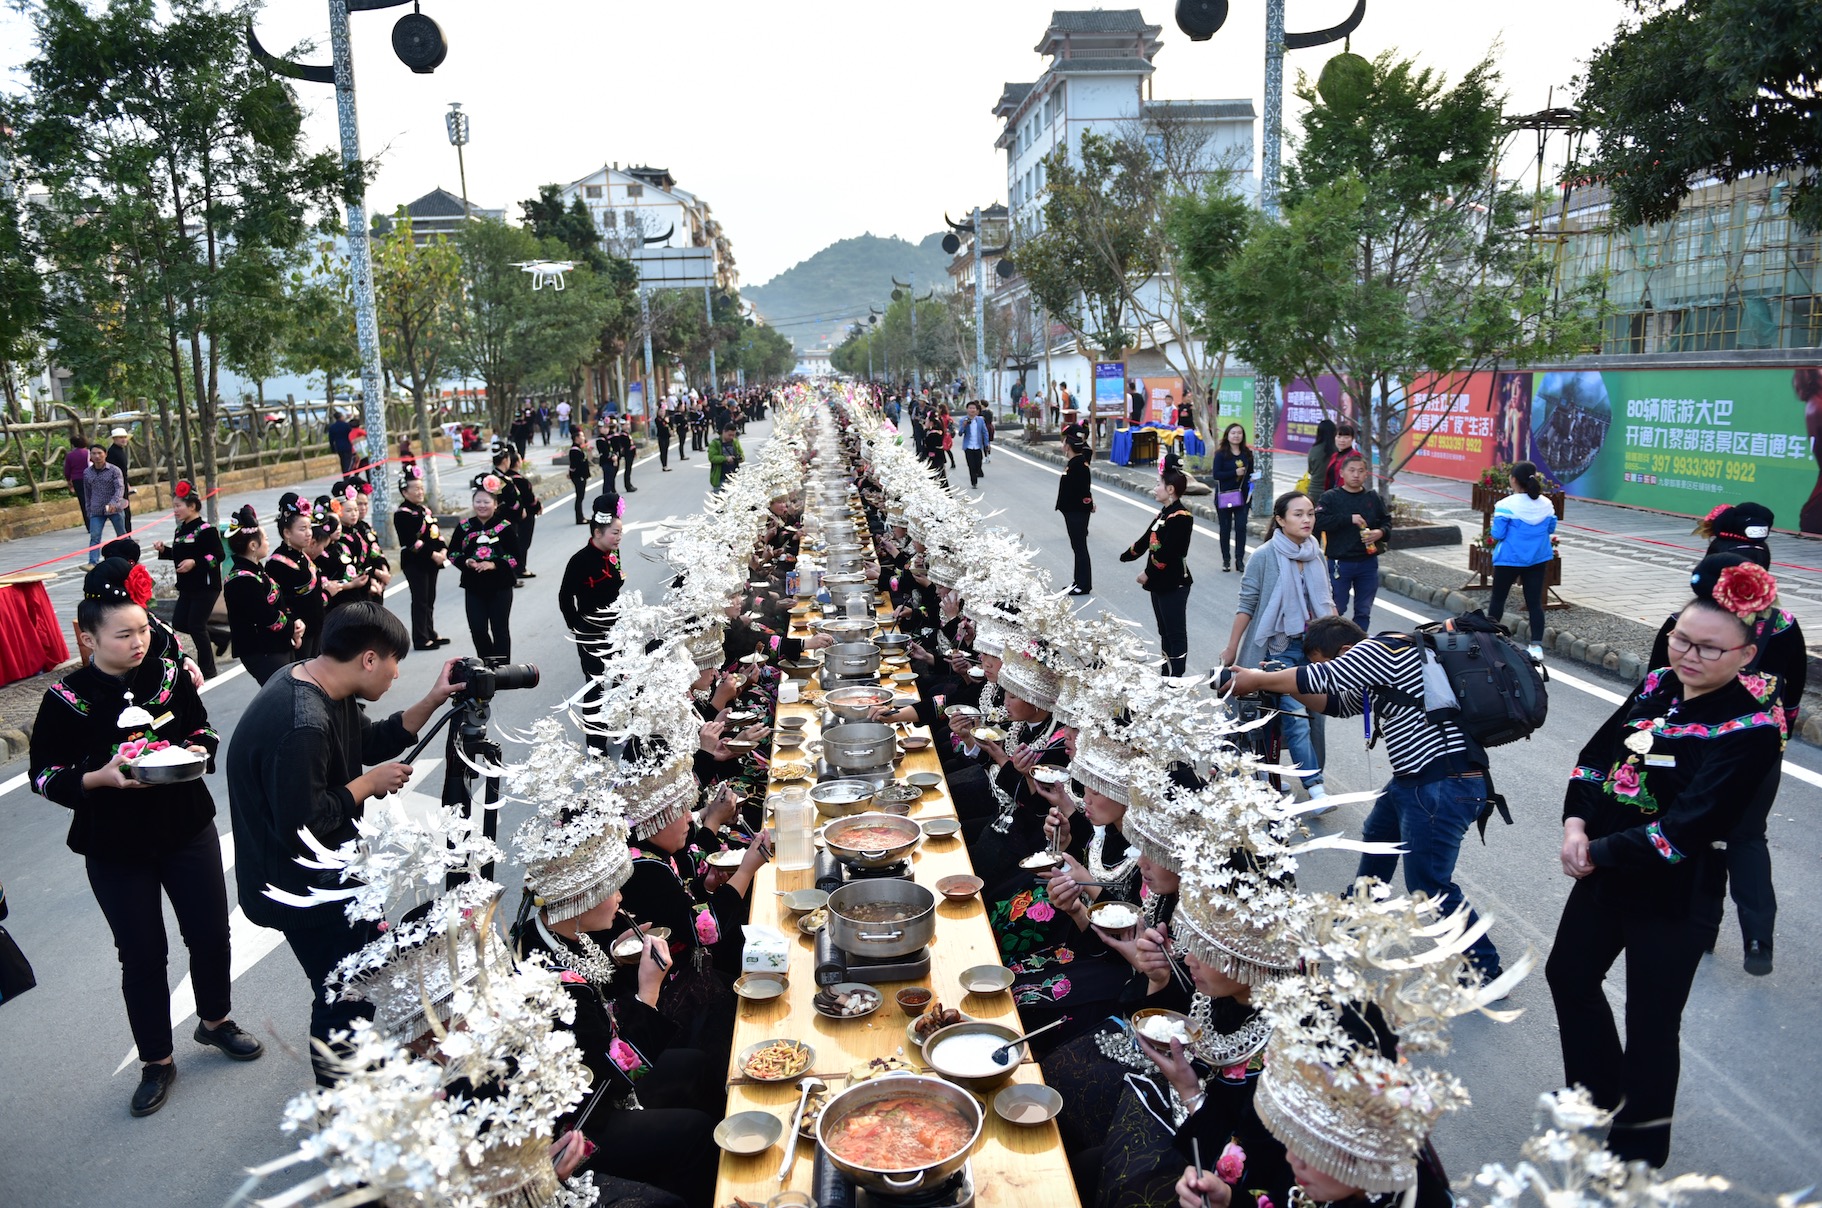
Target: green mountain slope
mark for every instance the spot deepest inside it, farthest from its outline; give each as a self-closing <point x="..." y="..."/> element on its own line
<point x="815" y="300"/>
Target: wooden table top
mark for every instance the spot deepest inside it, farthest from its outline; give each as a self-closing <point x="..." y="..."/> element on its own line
<point x="1013" y="1164"/>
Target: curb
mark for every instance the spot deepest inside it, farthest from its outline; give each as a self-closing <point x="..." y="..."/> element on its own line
<point x="1626" y="664"/>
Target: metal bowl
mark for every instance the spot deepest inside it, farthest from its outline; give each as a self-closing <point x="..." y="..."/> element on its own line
<point x="892" y="641"/>
<point x="986" y="979"/>
<point x="861" y="1096"/>
<point x="872" y="857"/>
<point x="180" y="773"/>
<point x="854" y="704"/>
<point x="1028" y="1104"/>
<point x="839" y="798"/>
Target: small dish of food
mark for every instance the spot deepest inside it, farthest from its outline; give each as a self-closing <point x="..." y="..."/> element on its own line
<point x="1160" y="1027"/>
<point x="788" y="772"/>
<point x="986" y="979"/>
<point x="740" y="746"/>
<point x="1041" y="863"/>
<point x="1028" y="1104"/>
<point x="913" y="1000"/>
<point x="761" y="987"/>
<point x="748" y="1133"/>
<point x="1050" y="774"/>
<point x="812" y="921"/>
<point x="914" y="742"/>
<point x="776" y="1060"/>
<point x="959" y="887"/>
<point x="846" y="1000"/>
<point x="729" y="858"/>
<point x="989" y="734"/>
<point x="627" y="947"/>
<point x="1119" y="920"/>
<point x="797" y="901"/>
<point x="934" y="1019"/>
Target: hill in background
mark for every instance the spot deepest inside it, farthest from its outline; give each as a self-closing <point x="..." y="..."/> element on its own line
<point x="815" y="300"/>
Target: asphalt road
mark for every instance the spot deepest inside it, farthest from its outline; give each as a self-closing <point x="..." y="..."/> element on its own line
<point x="1748" y="1108"/>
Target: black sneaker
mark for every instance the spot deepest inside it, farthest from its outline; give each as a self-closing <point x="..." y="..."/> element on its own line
<point x="154" y="1087"/>
<point x="1758" y="957"/>
<point x="230" y="1039"/>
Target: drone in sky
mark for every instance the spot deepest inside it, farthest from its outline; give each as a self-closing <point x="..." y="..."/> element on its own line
<point x="545" y="272"/>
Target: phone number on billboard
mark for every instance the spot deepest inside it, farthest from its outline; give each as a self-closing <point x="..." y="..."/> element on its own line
<point x="1711" y="468"/>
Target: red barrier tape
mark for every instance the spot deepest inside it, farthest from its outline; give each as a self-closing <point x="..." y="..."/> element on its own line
<point x="171" y="516"/>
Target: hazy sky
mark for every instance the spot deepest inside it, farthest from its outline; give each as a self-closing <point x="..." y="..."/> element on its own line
<point x="801" y="122"/>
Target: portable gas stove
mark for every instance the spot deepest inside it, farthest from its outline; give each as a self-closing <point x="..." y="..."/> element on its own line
<point x="834" y="965"/>
<point x="835" y="1190"/>
<point x="832" y="874"/>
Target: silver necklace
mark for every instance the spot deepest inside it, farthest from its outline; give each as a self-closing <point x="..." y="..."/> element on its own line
<point x="1222" y="1049"/>
<point x="1100" y="871"/>
<point x="591" y="963"/>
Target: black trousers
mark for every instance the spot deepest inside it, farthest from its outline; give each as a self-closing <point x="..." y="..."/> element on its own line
<point x="1077" y="525"/>
<point x="1532" y="577"/>
<point x="664" y="447"/>
<point x="1747" y="870"/>
<point x="1639" y="1076"/>
<point x="581" y="486"/>
<point x="974" y="464"/>
<point x="627" y="470"/>
<point x="263" y="667"/>
<point x="421" y="581"/>
<point x="191" y="618"/>
<point x="1171" y="608"/>
<point x="127" y="892"/>
<point x="1233" y="520"/>
<point x="682" y="444"/>
<point x="489" y="622"/>
<point x="318" y="950"/>
<point x="593" y="667"/>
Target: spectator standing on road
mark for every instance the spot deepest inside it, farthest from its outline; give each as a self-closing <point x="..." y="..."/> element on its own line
<point x="1438" y="787"/>
<point x="265" y="637"/>
<point x="563" y="414"/>
<point x="544" y="421"/>
<point x="1075" y="499"/>
<point x="1165" y="548"/>
<point x="975" y="442"/>
<point x="1285" y="587"/>
<point x="1782" y="653"/>
<point x="622" y="446"/>
<point x="1524" y="542"/>
<point x="1321" y="449"/>
<point x="661" y="428"/>
<point x="120" y="457"/>
<point x="725" y="456"/>
<point x="105" y="488"/>
<point x="341" y="441"/>
<point x="1666" y="778"/>
<point x="197" y="550"/>
<point x="1331" y="469"/>
<point x="139" y="840"/>
<point x="1353" y="522"/>
<point x="294" y="763"/>
<point x="75" y="465"/>
<point x="1232" y="471"/>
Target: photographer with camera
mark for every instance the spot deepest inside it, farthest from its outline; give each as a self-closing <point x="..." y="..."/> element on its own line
<point x="295" y="763"/>
<point x="1439" y="775"/>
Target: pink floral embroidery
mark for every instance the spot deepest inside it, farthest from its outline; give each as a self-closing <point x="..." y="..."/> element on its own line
<point x="132" y="748"/>
<point x="1059" y="989"/>
<point x="625" y="1056"/>
<point x="570" y="977"/>
<point x="1625" y="780"/>
<point x="1235" y="1073"/>
<point x="1041" y="912"/>
<point x="1231" y="1164"/>
<point x="1263" y="1200"/>
<point x="707" y="930"/>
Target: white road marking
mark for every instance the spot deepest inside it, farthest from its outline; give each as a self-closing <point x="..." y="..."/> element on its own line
<point x="1557" y="676"/>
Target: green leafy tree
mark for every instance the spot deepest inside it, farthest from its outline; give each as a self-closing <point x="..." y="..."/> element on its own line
<point x="1400" y="266"/>
<point x="418" y="291"/>
<point x="548" y="218"/>
<point x="1722" y="88"/>
<point x="21" y="290"/>
<point x="494" y="294"/>
<point x="320" y="339"/>
<point x="184" y="164"/>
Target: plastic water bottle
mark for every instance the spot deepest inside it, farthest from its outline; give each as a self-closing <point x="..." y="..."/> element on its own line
<point x="791" y="830"/>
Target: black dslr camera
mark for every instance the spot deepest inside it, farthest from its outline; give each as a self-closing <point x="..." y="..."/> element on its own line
<point x="480" y="680"/>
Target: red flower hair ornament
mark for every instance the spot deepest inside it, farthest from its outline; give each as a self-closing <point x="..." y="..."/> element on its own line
<point x="1747" y="590"/>
<point x="139" y="585"/>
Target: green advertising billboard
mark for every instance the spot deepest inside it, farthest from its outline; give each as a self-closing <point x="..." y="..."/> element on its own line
<point x="1684" y="440"/>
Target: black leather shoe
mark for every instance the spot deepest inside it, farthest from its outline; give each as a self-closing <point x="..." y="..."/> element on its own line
<point x="154" y="1088"/>
<point x="529" y="575"/>
<point x="1758" y="957"/>
<point x="442" y="641"/>
<point x="230" y="1039"/>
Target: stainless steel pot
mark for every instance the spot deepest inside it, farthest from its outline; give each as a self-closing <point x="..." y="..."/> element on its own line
<point x="849" y="660"/>
<point x="839" y="798"/>
<point x="853" y="704"/>
<point x="900" y="937"/>
<point x="854" y="597"/>
<point x="862" y="1095"/>
<point x="859" y="748"/>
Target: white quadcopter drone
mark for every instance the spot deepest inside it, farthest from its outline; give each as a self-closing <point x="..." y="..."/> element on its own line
<point x="545" y="272"/>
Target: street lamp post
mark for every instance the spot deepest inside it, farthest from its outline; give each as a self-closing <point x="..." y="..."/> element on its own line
<point x="457" y="124"/>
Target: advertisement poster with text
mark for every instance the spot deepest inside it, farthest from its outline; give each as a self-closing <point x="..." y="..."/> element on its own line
<point x="1684" y="440"/>
<point x="1304" y="406"/>
<point x="1109" y="388"/>
<point x="1459" y="427"/>
<point x="1163" y="395"/>
<point x="1233" y="405"/>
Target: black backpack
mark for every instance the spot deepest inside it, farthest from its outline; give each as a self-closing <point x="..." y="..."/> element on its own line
<point x="1489" y="686"/>
<point x="1485" y="683"/>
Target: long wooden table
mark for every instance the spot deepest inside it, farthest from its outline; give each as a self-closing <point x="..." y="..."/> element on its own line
<point x="1013" y="1164"/>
